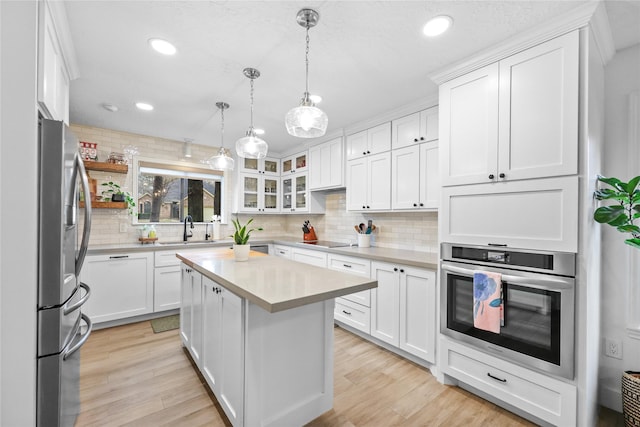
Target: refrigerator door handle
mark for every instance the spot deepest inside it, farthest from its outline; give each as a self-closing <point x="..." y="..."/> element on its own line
<point x="84" y="244"/>
<point x="81" y="301"/>
<point x="69" y="351"/>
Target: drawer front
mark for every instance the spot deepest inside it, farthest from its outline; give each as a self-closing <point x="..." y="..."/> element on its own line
<point x="165" y="258"/>
<point x="283" y="251"/>
<point x="542" y="396"/>
<point x="352" y="314"/>
<point x="319" y="259"/>
<point x="347" y="264"/>
<point x="353" y="265"/>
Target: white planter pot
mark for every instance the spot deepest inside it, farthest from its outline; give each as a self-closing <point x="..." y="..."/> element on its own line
<point x="241" y="252"/>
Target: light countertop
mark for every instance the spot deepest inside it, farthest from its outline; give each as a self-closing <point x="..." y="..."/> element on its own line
<point x="273" y="283"/>
<point x="419" y="259"/>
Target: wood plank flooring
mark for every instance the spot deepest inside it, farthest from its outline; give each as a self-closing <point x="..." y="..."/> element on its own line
<point x="133" y="377"/>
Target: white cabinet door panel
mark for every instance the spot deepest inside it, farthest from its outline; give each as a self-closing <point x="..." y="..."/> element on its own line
<point x="166" y="288"/>
<point x="406" y="182"/>
<point x="429" y="175"/>
<point x="379" y="138"/>
<point x="357" y="186"/>
<point x="469" y="127"/>
<point x="539" y="110"/>
<point x="535" y="214"/>
<point x="385" y="314"/>
<point x="379" y="182"/>
<point x="418" y="313"/>
<point x="406" y="131"/>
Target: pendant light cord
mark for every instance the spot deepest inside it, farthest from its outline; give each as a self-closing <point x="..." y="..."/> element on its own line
<point x="222" y="128"/>
<point x="251" y="103"/>
<point x="306" y="59"/>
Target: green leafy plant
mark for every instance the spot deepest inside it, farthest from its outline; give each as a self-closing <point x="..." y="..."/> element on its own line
<point x="242" y="233"/>
<point x="114" y="188"/>
<point x="623" y="214"/>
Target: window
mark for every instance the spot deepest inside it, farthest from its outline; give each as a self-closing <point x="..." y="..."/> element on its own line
<point x="167" y="192"/>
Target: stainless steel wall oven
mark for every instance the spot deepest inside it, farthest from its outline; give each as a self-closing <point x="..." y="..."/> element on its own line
<point x="538" y="293"/>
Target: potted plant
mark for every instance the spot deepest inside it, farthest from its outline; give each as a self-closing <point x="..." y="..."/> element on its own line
<point x="241" y="236"/>
<point x="116" y="194"/>
<point x="622" y="215"/>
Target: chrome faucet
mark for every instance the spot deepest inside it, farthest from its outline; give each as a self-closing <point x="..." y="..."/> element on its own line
<point x="185" y="236"/>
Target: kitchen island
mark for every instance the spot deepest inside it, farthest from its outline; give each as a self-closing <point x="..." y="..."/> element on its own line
<point x="261" y="333"/>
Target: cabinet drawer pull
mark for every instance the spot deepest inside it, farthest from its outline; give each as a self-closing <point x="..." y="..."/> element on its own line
<point x="118" y="256"/>
<point x="346" y="265"/>
<point x="346" y="312"/>
<point x="496" y="378"/>
<point x="282" y="252"/>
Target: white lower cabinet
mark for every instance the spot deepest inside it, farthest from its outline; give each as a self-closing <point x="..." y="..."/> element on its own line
<point x="403" y="308"/>
<point x="121" y="285"/>
<point x="166" y="288"/>
<point x="191" y="312"/>
<point x="223" y="347"/>
<point x="546" y="398"/>
<point x="353" y="309"/>
<point x="268" y="369"/>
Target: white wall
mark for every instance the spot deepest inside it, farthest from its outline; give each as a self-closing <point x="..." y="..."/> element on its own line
<point x="18" y="212"/>
<point x="622" y="76"/>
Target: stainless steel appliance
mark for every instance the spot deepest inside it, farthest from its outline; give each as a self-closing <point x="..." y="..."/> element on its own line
<point x="538" y="304"/>
<point x="60" y="293"/>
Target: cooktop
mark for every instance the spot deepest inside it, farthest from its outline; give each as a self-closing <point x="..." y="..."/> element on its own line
<point x="324" y="243"/>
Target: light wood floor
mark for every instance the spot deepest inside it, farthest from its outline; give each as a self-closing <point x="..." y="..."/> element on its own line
<point x="133" y="377"/>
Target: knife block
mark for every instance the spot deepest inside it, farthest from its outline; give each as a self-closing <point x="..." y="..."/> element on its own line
<point x="310" y="236"/>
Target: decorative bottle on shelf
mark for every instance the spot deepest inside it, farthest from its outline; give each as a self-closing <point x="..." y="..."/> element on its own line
<point x="152" y="232"/>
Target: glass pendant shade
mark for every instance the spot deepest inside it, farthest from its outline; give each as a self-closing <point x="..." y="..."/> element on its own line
<point x="221" y="161"/>
<point x="251" y="146"/>
<point x="306" y="121"/>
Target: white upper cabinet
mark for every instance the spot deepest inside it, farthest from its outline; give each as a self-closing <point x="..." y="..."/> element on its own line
<point x="415" y="181"/>
<point x="369" y="142"/>
<point x="369" y="183"/>
<point x="258" y="193"/>
<point x="326" y="165"/>
<point x="415" y="128"/>
<point x="296" y="163"/>
<point x="53" y="72"/>
<point x="267" y="166"/>
<point x="515" y="119"/>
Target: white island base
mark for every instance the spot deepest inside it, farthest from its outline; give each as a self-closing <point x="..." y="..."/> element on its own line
<point x="267" y="359"/>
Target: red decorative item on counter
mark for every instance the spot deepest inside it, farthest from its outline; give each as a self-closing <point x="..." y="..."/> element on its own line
<point x="311" y="235"/>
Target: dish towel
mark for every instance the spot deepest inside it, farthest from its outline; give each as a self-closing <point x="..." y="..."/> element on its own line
<point x="487" y="301"/>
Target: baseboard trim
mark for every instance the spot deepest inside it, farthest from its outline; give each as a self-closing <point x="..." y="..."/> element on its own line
<point x="611" y="398"/>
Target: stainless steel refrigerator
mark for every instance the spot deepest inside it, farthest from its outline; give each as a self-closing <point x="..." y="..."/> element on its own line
<point x="62" y="327"/>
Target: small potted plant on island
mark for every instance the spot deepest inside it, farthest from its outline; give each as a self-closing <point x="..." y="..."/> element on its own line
<point x="241" y="236"/>
<point x="116" y="194"/>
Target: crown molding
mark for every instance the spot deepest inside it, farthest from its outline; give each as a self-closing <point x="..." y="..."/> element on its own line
<point x="61" y="23"/>
<point x="562" y="24"/>
<point x="601" y="31"/>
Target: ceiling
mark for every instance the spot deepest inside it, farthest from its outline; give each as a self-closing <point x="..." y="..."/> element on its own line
<point x="366" y="58"/>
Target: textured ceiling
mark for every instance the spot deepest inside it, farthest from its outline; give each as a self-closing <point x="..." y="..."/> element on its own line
<point x="366" y="58"/>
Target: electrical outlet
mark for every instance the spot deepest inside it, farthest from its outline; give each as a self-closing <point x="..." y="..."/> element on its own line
<point x="613" y="348"/>
<point x="123" y="227"/>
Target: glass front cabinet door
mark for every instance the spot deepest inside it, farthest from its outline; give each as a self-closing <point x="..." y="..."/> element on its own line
<point x="259" y="193"/>
<point x="295" y="164"/>
<point x="266" y="166"/>
<point x="295" y="193"/>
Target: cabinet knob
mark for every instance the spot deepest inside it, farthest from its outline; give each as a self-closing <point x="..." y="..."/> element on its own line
<point x="368" y="152"/>
<point x="491" y="176"/>
<point x="422" y="138"/>
<point x="415" y="205"/>
<point x="395" y="268"/>
<point x="368" y="207"/>
<point x="415" y="139"/>
<point x="402" y="270"/>
<point x="364" y="207"/>
<point x="364" y="153"/>
<point x="502" y="175"/>
<point x="421" y="204"/>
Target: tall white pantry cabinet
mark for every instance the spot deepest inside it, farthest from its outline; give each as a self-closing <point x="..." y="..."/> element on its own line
<point x="521" y="130"/>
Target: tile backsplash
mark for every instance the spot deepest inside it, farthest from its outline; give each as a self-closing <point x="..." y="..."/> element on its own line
<point x="404" y="230"/>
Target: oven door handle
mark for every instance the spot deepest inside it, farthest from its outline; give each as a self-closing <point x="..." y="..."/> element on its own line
<point x="549" y="282"/>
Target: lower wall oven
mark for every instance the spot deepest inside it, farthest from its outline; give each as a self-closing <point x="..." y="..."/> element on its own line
<point x="538" y="292"/>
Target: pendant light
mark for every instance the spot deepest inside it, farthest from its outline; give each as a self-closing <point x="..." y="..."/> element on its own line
<point x="222" y="160"/>
<point x="306" y="120"/>
<point x="250" y="146"/>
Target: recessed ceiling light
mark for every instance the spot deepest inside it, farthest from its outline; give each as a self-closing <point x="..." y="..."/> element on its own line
<point x="110" y="107"/>
<point x="316" y="99"/>
<point x="162" y="46"/>
<point x="436" y="26"/>
<point x="144" y="106"/>
<point x="259" y="131"/>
